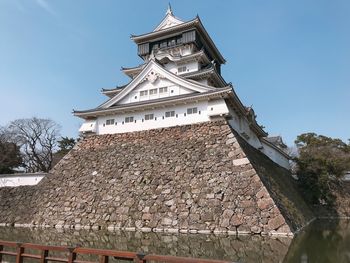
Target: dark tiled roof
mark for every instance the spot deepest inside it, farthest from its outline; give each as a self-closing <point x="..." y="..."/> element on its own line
<point x="276" y="140"/>
<point x="118" y="88"/>
<point x="205" y="71"/>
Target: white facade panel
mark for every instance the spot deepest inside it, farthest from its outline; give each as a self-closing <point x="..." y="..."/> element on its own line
<point x="171" y="90"/>
<point x="174" y="67"/>
<point x="275" y="155"/>
<point x="217" y="108"/>
<point x="13" y="180"/>
<point x="241" y="126"/>
<point x="88" y="126"/>
<point x="139" y="122"/>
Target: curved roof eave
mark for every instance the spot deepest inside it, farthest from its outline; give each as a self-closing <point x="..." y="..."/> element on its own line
<point x="276" y="148"/>
<point x="218" y="92"/>
<point x="208" y="71"/>
<point x="242" y="109"/>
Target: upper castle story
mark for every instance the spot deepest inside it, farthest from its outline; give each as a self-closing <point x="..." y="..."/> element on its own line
<point x="178" y="83"/>
<point x="183" y="48"/>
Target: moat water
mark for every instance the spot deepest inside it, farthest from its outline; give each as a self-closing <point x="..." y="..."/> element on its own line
<point x="322" y="241"/>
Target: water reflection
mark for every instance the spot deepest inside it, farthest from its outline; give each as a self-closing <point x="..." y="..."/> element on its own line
<point x="323" y="241"/>
<point x="241" y="249"/>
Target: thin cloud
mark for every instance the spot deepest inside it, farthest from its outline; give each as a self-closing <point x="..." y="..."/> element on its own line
<point x="45" y="5"/>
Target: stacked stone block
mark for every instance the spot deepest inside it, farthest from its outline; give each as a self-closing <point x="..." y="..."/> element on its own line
<point x="196" y="178"/>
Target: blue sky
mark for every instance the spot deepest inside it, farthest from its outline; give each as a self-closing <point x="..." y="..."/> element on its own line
<point x="290" y="60"/>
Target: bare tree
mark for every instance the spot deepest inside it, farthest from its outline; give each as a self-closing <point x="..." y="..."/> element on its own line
<point x="10" y="155"/>
<point x="37" y="139"/>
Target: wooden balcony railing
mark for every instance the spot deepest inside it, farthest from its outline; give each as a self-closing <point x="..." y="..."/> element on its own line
<point x="71" y="254"/>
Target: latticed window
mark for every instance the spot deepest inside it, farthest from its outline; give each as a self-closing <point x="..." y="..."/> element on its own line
<point x="152" y="91"/>
<point x="163" y="44"/>
<point x="149" y="116"/>
<point x="172" y="42"/>
<point x="181" y="69"/>
<point x="163" y="90"/>
<point x="143" y="93"/>
<point x="169" y="114"/>
<point x="192" y="110"/>
<point x="110" y="122"/>
<point x="129" y="119"/>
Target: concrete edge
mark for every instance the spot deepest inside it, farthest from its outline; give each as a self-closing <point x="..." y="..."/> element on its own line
<point x="114" y="228"/>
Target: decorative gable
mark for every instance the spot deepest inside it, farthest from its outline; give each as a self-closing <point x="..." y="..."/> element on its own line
<point x="155" y="82"/>
<point x="169" y="21"/>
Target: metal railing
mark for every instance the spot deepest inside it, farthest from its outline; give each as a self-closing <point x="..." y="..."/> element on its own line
<point x="19" y="251"/>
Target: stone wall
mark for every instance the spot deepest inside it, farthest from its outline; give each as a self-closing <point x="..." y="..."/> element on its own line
<point x="197" y="178"/>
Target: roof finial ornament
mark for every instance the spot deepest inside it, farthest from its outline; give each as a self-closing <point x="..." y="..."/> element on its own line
<point x="169" y="11"/>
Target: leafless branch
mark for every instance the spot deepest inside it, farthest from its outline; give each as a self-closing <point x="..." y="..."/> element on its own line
<point x="38" y="140"/>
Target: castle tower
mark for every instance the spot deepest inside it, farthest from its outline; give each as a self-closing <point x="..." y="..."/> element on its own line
<point x="178" y="83"/>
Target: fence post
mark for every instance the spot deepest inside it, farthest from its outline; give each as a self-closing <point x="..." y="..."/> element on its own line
<point x="20" y="250"/>
<point x="72" y="255"/>
<point x="140" y="258"/>
<point x="44" y="254"/>
<point x="1" y="249"/>
<point x="103" y="259"/>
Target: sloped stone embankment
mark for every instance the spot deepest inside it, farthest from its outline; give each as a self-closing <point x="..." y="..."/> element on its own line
<point x="197" y="178"/>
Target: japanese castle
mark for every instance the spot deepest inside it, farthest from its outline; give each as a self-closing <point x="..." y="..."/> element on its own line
<point x="179" y="83"/>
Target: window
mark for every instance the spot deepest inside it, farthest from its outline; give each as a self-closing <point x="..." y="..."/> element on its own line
<point x="129" y="119"/>
<point x="192" y="110"/>
<point x="153" y="91"/>
<point x="110" y="122"/>
<point x="182" y="69"/>
<point x="163" y="44"/>
<point x="149" y="117"/>
<point x="169" y="114"/>
<point x="155" y="46"/>
<point x="163" y="90"/>
<point x="172" y="42"/>
<point x="179" y="41"/>
<point x="143" y="93"/>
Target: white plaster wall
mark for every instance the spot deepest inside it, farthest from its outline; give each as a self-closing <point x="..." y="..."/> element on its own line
<point x="11" y="180"/>
<point x="203" y="81"/>
<point x="275" y="156"/>
<point x="173" y="67"/>
<point x="207" y="110"/>
<point x="159" y="122"/>
<point x="217" y="107"/>
<point x="173" y="90"/>
<point x="241" y="125"/>
<point x="187" y="50"/>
